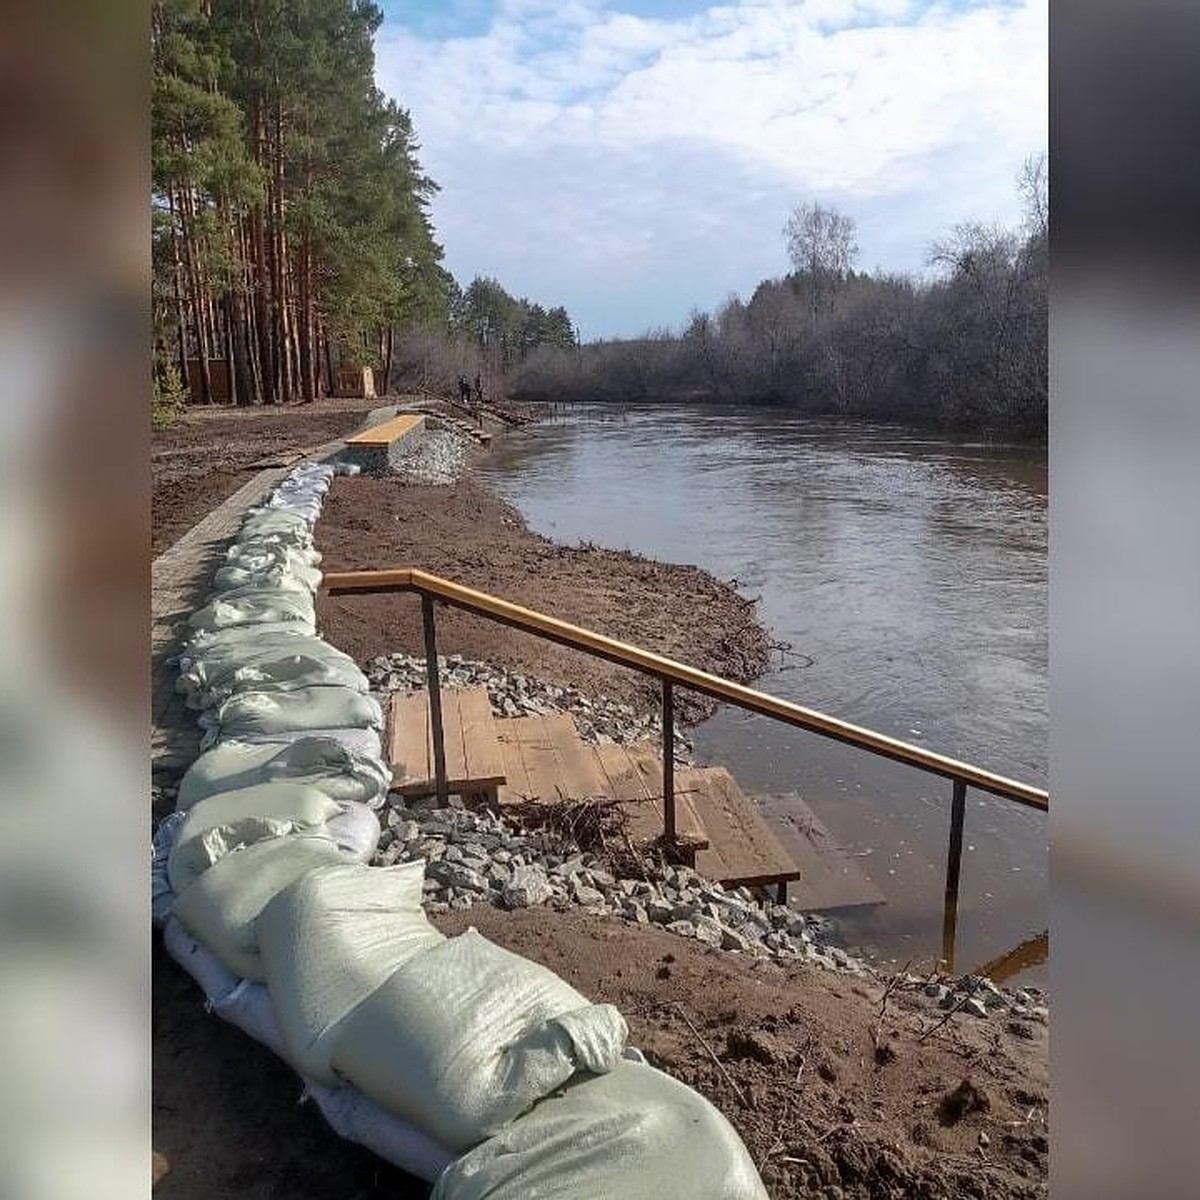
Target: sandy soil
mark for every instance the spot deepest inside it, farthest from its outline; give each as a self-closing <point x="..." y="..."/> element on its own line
<point x="205" y="456"/>
<point x="467" y="534"/>
<point x="799" y="1074"/>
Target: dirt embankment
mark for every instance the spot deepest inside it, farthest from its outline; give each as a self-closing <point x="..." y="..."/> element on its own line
<point x="831" y="1087"/>
<point x="467" y="534"/>
<point x="208" y="453"/>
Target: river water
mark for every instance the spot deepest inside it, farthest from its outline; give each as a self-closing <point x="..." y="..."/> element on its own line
<point x="908" y="573"/>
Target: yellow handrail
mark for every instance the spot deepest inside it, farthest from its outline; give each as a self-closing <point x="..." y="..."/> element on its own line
<point x="409" y="579"/>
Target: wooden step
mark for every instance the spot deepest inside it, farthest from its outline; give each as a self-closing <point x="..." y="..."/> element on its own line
<point x="829" y="877"/>
<point x="546" y="760"/>
<point x="474" y="760"/>
<point x="634" y="777"/>
<point x="742" y="850"/>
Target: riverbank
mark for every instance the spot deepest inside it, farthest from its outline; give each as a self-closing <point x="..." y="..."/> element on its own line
<point x="842" y="1084"/>
<point x="467" y="534"/>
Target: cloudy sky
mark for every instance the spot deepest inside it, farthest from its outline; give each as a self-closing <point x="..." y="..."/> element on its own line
<point x="636" y="159"/>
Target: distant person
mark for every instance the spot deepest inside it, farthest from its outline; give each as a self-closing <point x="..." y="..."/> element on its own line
<point x="478" y="392"/>
<point x="464" y="390"/>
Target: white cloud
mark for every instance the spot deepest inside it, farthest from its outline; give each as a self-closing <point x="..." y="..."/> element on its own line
<point x="631" y="168"/>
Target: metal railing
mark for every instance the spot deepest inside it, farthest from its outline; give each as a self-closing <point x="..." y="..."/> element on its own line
<point x="671" y="674"/>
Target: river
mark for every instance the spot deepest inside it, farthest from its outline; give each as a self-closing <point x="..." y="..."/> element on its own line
<point x="907" y="572"/>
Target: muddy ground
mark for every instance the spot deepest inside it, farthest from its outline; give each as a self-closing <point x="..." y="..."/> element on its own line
<point x="467" y="534"/>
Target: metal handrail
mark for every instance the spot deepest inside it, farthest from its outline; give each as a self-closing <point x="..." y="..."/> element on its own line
<point x="671" y="673"/>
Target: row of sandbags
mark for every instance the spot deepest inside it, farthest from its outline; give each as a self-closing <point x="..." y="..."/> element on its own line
<point x="453" y="1058"/>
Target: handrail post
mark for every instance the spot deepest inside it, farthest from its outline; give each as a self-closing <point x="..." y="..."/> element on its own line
<point x="435" y="701"/>
<point x="958" y="811"/>
<point x="668" y="760"/>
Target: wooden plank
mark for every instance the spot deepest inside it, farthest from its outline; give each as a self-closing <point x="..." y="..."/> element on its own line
<point x="474" y="762"/>
<point x="385" y="433"/>
<point x="409" y="741"/>
<point x="481" y="746"/>
<point x="634" y="776"/>
<point x="742" y="849"/>
<point x="829" y="877"/>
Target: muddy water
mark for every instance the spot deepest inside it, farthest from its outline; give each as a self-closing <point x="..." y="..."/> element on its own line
<point x="907" y="574"/>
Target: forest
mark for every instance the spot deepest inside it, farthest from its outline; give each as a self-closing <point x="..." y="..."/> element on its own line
<point x="291" y="232"/>
<point x="964" y="348"/>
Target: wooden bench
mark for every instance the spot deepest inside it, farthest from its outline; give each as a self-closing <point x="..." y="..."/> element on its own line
<point x="386" y="433"/>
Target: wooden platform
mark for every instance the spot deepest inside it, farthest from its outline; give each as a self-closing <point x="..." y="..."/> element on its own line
<point x="387" y="432"/>
<point x="726" y="835"/>
<point x="474" y="763"/>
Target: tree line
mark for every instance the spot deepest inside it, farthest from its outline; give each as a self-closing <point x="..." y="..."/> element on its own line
<point x="963" y="348"/>
<point x="291" y="230"/>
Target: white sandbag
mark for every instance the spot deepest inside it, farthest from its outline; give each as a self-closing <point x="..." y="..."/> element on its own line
<point x="320" y="762"/>
<point x="351" y="1115"/>
<point x="254" y="606"/>
<point x="356" y="830"/>
<point x="277" y="712"/>
<point x="265" y="520"/>
<point x="633" y="1134"/>
<point x="329" y="941"/>
<point x="284" y="577"/>
<point x="225" y="664"/>
<point x="258" y="555"/>
<point x="248" y="1006"/>
<point x="362" y="743"/>
<point x="216" y="980"/>
<point x="468" y="1036"/>
<point x="220" y="909"/>
<point x="162" y="894"/>
<point x="228" y="821"/>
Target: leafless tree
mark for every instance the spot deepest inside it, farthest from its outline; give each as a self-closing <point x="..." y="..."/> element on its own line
<point x="822" y="244"/>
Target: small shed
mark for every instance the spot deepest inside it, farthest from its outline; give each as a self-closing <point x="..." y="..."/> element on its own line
<point x="356" y="381"/>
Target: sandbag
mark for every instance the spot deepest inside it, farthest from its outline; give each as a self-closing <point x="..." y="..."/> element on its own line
<point x="632" y="1134"/>
<point x="252" y="606"/>
<point x="277" y="712"/>
<point x="467" y="1036"/>
<point x="286" y="673"/>
<point x="329" y="941"/>
<point x="216" y="980"/>
<point x="227" y="821"/>
<point x="351" y="1115"/>
<point x="356" y="830"/>
<point x="320" y="762"/>
<point x="220" y="909"/>
<point x="362" y="743"/>
<point x="209" y="664"/>
<point x="283" y="576"/>
<point x="248" y="1006"/>
<point x="263" y="519"/>
<point x="256" y="555"/>
<point x="162" y="894"/>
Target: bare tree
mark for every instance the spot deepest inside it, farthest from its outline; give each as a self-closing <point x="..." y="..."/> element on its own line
<point x="822" y="243"/>
<point x="1033" y="186"/>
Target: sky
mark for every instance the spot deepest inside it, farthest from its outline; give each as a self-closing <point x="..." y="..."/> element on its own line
<point x="635" y="160"/>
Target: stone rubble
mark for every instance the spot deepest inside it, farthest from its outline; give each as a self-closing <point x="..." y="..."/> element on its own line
<point x="477" y="857"/>
<point x="599" y="719"/>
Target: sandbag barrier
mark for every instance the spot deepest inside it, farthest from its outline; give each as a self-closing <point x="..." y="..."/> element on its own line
<point x="454" y="1059"/>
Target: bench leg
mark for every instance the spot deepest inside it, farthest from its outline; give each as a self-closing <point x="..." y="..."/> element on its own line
<point x="781" y="892"/>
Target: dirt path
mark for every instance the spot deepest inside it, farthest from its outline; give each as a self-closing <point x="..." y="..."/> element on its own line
<point x="467" y="534"/>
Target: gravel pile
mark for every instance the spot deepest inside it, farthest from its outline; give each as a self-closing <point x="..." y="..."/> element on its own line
<point x="600" y="719"/>
<point x="437" y="457"/>
<point x="479" y="858"/>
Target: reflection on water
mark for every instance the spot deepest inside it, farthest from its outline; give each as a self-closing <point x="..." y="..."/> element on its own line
<point x="908" y="574"/>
